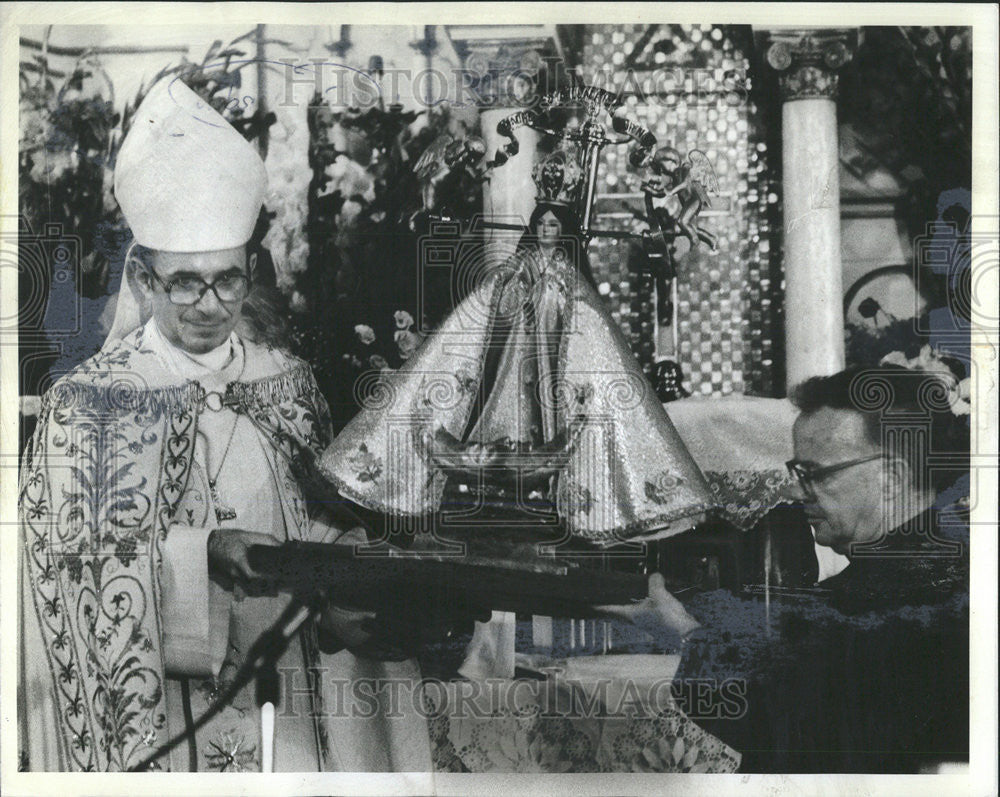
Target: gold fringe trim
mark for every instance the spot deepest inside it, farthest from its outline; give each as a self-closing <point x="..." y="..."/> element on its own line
<point x="124" y="397"/>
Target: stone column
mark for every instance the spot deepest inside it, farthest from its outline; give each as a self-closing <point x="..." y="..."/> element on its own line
<point x="814" y="318"/>
<point x="502" y="68"/>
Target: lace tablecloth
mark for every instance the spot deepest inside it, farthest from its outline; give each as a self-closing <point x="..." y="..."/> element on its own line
<point x="741" y="444"/>
<point x="592" y="714"/>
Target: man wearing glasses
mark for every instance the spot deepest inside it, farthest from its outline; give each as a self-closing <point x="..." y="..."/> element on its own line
<point x="863" y="470"/>
<point x="201" y="294"/>
<point x="869" y="674"/>
<point x="155" y="465"/>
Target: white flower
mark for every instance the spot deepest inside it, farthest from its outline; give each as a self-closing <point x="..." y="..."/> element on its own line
<point x="281" y="131"/>
<point x="895" y="358"/>
<point x="35" y="129"/>
<point x="407" y="342"/>
<point x="960" y="399"/>
<point x="350" y="178"/>
<point x="285" y="280"/>
<point x="109" y="202"/>
<point x="365" y="334"/>
<point x="298" y="254"/>
<point x="403" y="319"/>
<point x="50" y="165"/>
<point x="288" y="178"/>
<point x="929" y="361"/>
<point x="349" y="211"/>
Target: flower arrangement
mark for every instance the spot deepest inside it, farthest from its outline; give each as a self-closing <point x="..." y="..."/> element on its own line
<point x="289" y="176"/>
<point x="65" y="152"/>
<point x="358" y="300"/>
<point x="865" y="345"/>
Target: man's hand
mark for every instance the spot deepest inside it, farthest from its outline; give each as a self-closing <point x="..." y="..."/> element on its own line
<point x="227" y="554"/>
<point x="658" y="614"/>
<point x="361" y="632"/>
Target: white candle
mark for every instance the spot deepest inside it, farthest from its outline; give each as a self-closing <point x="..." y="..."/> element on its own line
<point x="267" y="737"/>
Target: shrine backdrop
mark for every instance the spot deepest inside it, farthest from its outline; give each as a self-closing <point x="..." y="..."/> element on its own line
<point x="341" y="254"/>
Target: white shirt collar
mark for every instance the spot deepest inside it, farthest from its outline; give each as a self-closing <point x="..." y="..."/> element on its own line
<point x="187" y="364"/>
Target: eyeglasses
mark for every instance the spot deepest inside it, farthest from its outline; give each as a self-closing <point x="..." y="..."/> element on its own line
<point x="189" y="290"/>
<point x="808" y="475"/>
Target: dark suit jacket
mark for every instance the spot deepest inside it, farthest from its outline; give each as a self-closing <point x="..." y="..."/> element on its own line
<point x="869" y="675"/>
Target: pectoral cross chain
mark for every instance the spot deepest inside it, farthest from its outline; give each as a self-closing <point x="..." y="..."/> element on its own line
<point x="222" y="512"/>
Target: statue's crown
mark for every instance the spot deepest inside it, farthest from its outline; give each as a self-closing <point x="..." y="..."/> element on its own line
<point x="557" y="177"/>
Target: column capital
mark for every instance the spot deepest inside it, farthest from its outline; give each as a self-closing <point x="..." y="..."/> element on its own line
<point x="503" y="64"/>
<point x="807" y="60"/>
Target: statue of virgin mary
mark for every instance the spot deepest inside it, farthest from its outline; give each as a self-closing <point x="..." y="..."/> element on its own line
<point x="526" y="396"/>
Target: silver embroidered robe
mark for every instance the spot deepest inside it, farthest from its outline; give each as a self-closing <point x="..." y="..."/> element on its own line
<point x="114" y="518"/>
<point x="531" y="356"/>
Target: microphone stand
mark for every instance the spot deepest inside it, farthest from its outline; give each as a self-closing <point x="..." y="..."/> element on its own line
<point x="262" y="658"/>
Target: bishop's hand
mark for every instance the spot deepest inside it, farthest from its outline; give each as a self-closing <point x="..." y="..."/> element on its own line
<point x="227" y="556"/>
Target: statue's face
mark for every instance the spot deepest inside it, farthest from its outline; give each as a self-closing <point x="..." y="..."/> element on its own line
<point x="549" y="229"/>
<point x="206" y="324"/>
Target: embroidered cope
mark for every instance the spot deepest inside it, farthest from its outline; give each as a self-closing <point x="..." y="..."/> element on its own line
<point x="126" y="640"/>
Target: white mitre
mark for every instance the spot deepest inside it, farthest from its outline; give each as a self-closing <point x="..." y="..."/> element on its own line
<point x="186" y="180"/>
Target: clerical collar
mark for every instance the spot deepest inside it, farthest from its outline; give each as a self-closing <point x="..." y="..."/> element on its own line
<point x="187" y="364"/>
<point x="911" y="535"/>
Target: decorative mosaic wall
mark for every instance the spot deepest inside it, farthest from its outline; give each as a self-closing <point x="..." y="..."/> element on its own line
<point x="690" y="85"/>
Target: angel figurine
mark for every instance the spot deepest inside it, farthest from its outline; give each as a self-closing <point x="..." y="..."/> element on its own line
<point x="686" y="186"/>
<point x="448" y="157"/>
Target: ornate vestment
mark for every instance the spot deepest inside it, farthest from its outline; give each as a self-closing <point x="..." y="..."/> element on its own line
<point x="531" y="357"/>
<point x="110" y="475"/>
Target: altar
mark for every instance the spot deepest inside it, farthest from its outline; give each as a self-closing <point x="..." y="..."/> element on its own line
<point x="589" y="714"/>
